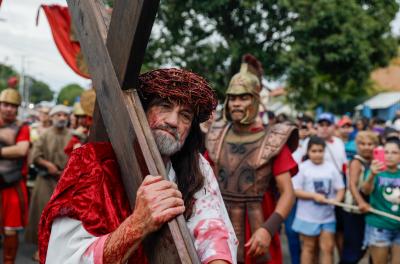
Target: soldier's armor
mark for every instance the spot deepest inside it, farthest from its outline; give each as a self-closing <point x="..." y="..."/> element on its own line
<point x="8" y="136"/>
<point x="244" y="172"/>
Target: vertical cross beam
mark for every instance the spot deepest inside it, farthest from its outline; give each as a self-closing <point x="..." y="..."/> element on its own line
<point x="121" y="112"/>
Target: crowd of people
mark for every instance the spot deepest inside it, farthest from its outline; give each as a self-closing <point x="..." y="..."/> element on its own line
<point x="33" y="156"/>
<point x="334" y="183"/>
<point x="352" y="164"/>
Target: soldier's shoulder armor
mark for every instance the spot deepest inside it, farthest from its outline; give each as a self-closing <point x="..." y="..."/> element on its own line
<point x="276" y="137"/>
<point x="215" y="137"/>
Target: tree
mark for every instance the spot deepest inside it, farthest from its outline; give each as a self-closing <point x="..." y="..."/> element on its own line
<point x="5" y="73"/>
<point x="323" y="49"/>
<point x="69" y="93"/>
<point x="335" y="46"/>
<point x="40" y="91"/>
<point x="210" y="37"/>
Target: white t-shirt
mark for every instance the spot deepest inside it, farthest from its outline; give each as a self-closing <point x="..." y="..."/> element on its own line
<point x="301" y="150"/>
<point x="335" y="153"/>
<point x="323" y="179"/>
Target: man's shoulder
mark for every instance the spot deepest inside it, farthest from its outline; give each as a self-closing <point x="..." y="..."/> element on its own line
<point x="95" y="151"/>
<point x="281" y="134"/>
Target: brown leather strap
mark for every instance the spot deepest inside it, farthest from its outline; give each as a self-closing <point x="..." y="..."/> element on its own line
<point x="273" y="223"/>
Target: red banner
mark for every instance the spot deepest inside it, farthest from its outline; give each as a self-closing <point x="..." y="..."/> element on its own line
<point x="64" y="37"/>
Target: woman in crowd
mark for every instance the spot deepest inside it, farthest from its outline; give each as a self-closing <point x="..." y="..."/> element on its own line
<point x="354" y="221"/>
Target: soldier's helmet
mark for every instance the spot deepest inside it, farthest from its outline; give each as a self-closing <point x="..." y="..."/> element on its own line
<point x="247" y="81"/>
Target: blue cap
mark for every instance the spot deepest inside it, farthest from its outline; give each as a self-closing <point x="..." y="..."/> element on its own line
<point x="326" y="117"/>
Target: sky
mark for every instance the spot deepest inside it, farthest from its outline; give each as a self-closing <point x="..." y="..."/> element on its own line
<point x="22" y="42"/>
<point x="24" y="45"/>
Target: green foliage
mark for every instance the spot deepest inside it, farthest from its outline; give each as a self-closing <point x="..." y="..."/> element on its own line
<point x="5" y="73"/>
<point x="325" y="49"/>
<point x="336" y="45"/>
<point x="210" y="37"/>
<point x="40" y="91"/>
<point x="69" y="93"/>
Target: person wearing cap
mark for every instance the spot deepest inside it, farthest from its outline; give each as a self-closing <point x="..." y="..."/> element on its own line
<point x="89" y="218"/>
<point x="345" y="129"/>
<point x="250" y="161"/>
<point x="48" y="155"/>
<point x="14" y="147"/>
<point x="335" y="154"/>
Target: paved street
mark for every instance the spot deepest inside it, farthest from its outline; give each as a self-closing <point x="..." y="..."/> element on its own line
<point x="25" y="252"/>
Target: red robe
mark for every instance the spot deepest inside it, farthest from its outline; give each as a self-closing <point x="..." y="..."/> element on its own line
<point x="91" y="191"/>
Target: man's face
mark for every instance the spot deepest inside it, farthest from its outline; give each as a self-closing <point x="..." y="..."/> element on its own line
<point x="170" y="123"/>
<point x="44" y="115"/>
<point x="325" y="129"/>
<point x="60" y="120"/>
<point x="8" y="112"/>
<point x="238" y="105"/>
<point x="303" y="132"/>
<point x="81" y="120"/>
<point x="346" y="130"/>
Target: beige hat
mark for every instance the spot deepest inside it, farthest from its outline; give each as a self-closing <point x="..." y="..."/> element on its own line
<point x="60" y="109"/>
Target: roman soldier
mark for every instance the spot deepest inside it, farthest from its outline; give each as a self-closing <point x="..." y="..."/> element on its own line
<point x="14" y="146"/>
<point x="252" y="161"/>
<point x="83" y="111"/>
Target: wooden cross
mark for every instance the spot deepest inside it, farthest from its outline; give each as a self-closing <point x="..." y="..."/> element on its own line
<point x="114" y="52"/>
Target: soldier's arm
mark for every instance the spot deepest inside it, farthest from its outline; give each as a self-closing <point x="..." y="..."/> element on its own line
<point x="287" y="197"/>
<point x="18" y="150"/>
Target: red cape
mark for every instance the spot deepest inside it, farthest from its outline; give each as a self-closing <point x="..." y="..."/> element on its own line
<point x="91" y="191"/>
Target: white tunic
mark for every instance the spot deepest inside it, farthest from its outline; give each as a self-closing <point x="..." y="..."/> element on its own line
<point x="210" y="227"/>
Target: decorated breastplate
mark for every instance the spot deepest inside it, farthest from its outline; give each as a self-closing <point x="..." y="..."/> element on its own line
<point x="239" y="177"/>
<point x="244" y="173"/>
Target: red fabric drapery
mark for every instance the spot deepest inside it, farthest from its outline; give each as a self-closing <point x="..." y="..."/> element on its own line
<point x="61" y="28"/>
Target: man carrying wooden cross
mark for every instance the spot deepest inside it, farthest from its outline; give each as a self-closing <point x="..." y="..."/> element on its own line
<point x="88" y="219"/>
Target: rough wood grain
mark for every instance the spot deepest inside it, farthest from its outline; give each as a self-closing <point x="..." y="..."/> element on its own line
<point x="121" y="122"/>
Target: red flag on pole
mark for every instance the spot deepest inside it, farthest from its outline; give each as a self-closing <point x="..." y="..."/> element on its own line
<point x="64" y="37"/>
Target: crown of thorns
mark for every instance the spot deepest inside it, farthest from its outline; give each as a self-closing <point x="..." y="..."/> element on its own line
<point x="179" y="85"/>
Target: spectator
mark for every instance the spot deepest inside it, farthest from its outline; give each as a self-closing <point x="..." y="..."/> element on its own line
<point x="354" y="222"/>
<point x="382" y="234"/>
<point x="316" y="182"/>
<point x="38" y="128"/>
<point x="345" y="128"/>
<point x="48" y="154"/>
<point x="335" y="154"/>
<point x="293" y="236"/>
<point x="14" y="146"/>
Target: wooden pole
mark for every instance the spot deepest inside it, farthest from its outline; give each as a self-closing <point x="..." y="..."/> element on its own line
<point x="371" y="210"/>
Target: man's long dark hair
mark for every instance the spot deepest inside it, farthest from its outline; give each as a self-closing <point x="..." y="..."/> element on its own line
<point x="186" y="161"/>
<point x="187" y="167"/>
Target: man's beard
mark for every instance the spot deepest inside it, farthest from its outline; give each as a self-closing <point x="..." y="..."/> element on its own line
<point x="167" y="144"/>
<point x="60" y="123"/>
